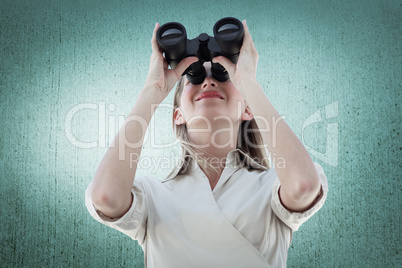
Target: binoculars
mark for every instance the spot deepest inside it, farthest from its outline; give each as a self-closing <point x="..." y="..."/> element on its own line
<point x="227" y="41"/>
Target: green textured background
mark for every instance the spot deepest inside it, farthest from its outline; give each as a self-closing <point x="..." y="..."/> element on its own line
<point x="340" y="60"/>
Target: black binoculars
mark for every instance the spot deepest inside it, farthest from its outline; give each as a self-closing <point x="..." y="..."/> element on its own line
<point x="227" y="41"/>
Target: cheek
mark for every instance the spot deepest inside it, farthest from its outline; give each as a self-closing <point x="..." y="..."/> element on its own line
<point x="187" y="95"/>
<point x="232" y="90"/>
<point x="184" y="98"/>
<point x="236" y="96"/>
<point x="185" y="101"/>
<point x="238" y="104"/>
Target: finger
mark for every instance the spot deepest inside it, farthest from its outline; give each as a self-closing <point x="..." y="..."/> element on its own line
<point x="184" y="64"/>
<point x="247" y="40"/>
<point x="155" y="46"/>
<point x="246" y="32"/>
<point x="226" y="63"/>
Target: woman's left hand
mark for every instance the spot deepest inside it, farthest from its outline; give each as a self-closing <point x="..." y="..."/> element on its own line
<point x="245" y="70"/>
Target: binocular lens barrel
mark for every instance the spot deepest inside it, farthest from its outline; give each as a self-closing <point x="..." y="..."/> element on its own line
<point x="172" y="39"/>
<point x="229" y="33"/>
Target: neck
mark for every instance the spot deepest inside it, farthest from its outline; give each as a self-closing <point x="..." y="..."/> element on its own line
<point x="214" y="142"/>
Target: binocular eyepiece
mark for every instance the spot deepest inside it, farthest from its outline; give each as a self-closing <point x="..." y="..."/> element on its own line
<point x="227" y="41"/>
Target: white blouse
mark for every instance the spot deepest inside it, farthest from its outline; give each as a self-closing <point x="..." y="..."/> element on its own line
<point x="180" y="222"/>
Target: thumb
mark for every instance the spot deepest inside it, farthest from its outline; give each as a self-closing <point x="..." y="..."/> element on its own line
<point x="226" y="63"/>
<point x="184" y="64"/>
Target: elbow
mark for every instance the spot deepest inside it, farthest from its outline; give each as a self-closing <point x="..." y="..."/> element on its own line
<point x="101" y="199"/>
<point x="305" y="187"/>
<point x="105" y="201"/>
<point x="111" y="204"/>
<point x="103" y="194"/>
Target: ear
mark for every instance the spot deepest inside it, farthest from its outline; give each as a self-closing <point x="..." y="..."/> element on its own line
<point x="179" y="117"/>
<point x="247" y="114"/>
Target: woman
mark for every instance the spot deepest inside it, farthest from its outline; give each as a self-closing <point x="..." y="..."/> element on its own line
<point x="223" y="206"/>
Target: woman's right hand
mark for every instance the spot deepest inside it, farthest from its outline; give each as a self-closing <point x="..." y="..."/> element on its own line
<point x="160" y="78"/>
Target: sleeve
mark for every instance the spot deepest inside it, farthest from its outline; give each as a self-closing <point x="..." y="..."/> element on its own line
<point x="295" y="219"/>
<point x="133" y="223"/>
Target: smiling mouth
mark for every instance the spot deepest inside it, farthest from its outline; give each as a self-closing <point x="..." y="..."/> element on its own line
<point x="206" y="95"/>
<point x="210" y="97"/>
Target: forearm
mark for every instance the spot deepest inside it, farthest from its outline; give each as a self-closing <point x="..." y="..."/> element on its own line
<point x="295" y="167"/>
<point x="113" y="180"/>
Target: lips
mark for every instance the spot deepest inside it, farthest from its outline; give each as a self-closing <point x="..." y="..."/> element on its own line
<point x="210" y="94"/>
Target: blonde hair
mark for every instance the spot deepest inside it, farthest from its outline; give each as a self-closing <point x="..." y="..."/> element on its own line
<point x="248" y="133"/>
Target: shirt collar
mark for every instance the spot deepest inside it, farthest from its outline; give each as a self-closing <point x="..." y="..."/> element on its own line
<point x="232" y="161"/>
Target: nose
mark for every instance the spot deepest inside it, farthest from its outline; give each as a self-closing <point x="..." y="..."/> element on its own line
<point x="208" y="82"/>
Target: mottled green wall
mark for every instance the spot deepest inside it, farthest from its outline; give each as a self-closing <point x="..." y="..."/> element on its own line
<point x="70" y="69"/>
